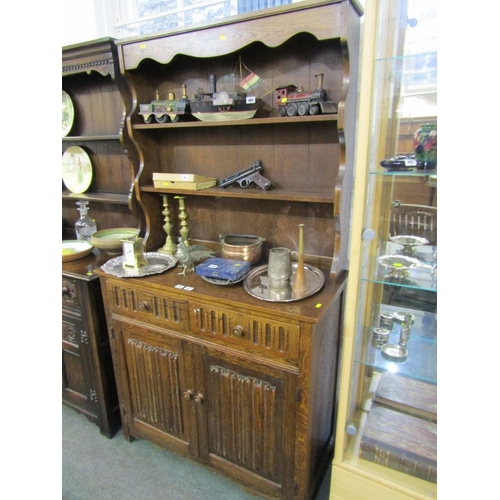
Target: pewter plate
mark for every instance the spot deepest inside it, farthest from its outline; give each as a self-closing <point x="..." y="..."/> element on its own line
<point x="256" y="284"/>
<point x="157" y="263"/>
<point x="395" y="352"/>
<point x="221" y="281"/>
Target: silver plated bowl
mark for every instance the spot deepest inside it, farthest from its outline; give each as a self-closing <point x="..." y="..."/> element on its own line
<point x="394" y="352"/>
<point x="398" y="262"/>
<point x="411" y="241"/>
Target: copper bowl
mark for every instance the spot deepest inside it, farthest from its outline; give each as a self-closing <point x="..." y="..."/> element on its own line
<point x="241" y="247"/>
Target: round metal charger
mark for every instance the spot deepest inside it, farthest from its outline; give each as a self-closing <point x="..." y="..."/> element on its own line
<point x="256" y="284"/>
<point x="157" y="263"/>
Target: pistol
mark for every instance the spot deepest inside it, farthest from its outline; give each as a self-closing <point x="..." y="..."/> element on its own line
<point x="245" y="177"/>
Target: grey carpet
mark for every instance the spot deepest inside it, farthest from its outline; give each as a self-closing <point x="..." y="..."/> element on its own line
<point x="97" y="468"/>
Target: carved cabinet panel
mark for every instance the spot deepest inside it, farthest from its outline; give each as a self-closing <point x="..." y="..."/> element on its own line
<point x="249" y="420"/>
<point x="77" y="387"/>
<point x="155" y="384"/>
<point x="88" y="381"/>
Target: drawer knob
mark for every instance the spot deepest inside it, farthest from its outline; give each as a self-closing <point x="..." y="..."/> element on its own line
<point x="238" y="331"/>
<point x="144" y="306"/>
<point x="199" y="398"/>
<point x="188" y="394"/>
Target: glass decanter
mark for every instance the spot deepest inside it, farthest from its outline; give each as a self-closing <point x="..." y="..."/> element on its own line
<point x="84" y="226"/>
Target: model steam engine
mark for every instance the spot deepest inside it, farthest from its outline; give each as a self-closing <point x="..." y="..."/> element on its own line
<point x="292" y="101"/>
<point x="164" y="110"/>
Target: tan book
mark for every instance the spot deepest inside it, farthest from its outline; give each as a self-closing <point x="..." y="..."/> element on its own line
<point x="401" y="442"/>
<point x="407" y="395"/>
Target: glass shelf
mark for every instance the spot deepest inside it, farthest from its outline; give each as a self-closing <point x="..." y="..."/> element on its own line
<point x="405" y="173"/>
<point x="422" y="278"/>
<point x="421" y="361"/>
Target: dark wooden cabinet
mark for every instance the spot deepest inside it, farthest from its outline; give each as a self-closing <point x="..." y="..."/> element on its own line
<point x="243" y="385"/>
<point x="91" y="77"/>
<point x="88" y="382"/>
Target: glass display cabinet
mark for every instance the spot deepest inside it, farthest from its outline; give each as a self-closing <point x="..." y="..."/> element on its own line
<point x="386" y="446"/>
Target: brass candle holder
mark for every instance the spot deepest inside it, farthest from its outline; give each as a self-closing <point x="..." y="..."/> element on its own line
<point x="169" y="247"/>
<point x="184" y="230"/>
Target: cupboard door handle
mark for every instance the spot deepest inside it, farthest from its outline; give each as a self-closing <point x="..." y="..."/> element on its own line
<point x="144" y="306"/>
<point x="238" y="331"/>
<point x="199" y="398"/>
<point x="188" y="394"/>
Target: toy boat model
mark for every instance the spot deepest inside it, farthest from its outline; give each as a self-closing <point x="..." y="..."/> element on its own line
<point x="224" y="106"/>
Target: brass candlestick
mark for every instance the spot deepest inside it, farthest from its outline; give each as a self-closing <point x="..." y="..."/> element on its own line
<point x="299" y="286"/>
<point x="169" y="247"/>
<point x="183" y="218"/>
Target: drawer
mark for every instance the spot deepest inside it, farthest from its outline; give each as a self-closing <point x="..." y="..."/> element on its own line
<point x="245" y="332"/>
<point x="71" y="300"/>
<point x="153" y="308"/>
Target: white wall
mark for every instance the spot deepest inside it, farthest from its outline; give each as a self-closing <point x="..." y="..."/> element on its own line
<point x="79" y="22"/>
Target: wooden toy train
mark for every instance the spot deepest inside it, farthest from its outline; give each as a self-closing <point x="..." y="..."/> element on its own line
<point x="220" y="106"/>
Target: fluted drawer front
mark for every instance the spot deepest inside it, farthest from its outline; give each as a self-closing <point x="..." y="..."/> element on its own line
<point x="153" y="308"/>
<point x="246" y="332"/>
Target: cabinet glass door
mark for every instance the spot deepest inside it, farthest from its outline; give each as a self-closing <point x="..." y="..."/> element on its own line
<point x="388" y="414"/>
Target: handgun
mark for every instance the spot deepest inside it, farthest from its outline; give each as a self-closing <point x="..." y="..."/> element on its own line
<point x="245" y="177"/>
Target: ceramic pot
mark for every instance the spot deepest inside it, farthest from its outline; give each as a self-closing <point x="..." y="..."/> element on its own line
<point x="425" y="145"/>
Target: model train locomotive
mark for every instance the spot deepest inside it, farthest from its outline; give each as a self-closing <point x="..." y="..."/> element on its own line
<point x="220" y="106"/>
<point x="164" y="110"/>
<point x="292" y="101"/>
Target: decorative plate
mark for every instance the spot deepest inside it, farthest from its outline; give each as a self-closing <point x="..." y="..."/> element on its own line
<point x="76" y="169"/>
<point x="68" y="113"/>
<point x="156" y="263"/>
<point x="256" y="284"/>
<point x="75" y="249"/>
<point x="110" y="240"/>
